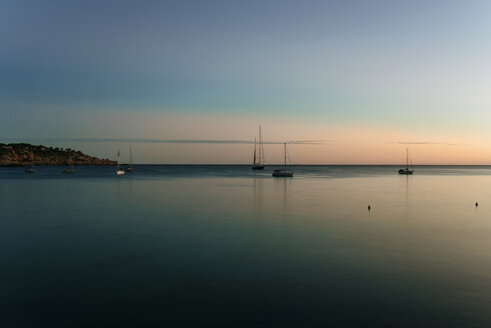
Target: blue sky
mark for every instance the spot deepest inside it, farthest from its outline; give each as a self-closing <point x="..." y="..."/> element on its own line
<point x="420" y="67"/>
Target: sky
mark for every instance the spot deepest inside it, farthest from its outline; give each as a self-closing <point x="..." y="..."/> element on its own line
<point x="345" y="82"/>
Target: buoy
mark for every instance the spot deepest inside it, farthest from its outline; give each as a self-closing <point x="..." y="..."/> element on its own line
<point x="477" y="204"/>
<point x="370" y="207"/>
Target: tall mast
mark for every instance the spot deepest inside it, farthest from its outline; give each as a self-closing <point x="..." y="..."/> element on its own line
<point x="32" y="155"/>
<point x="254" y="151"/>
<point x="263" y="159"/>
<point x="285" y="155"/>
<point x="117" y="168"/>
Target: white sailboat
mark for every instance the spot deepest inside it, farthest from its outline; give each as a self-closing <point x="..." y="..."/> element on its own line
<point x="30" y="168"/>
<point x="258" y="163"/>
<point x="118" y="169"/>
<point x="283" y="172"/>
<point x="407" y="170"/>
<point x="130" y="165"/>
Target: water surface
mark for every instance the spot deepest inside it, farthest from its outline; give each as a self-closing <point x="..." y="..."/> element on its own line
<point x="224" y="246"/>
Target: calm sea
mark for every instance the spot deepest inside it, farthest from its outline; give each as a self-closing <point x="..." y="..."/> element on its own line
<point x="223" y="246"/>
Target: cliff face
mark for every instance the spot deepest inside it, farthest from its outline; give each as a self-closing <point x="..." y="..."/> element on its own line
<point x="19" y="154"/>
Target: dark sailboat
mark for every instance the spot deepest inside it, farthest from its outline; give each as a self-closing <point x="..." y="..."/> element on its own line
<point x="258" y="163"/>
<point x="407" y="170"/>
<point x="285" y="173"/>
<point x="130" y="165"/>
<point x="69" y="169"/>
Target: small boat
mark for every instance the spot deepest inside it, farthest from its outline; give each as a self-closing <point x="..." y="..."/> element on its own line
<point x="407" y="171"/>
<point x="30" y="168"/>
<point x="285" y="173"/>
<point x="258" y="163"/>
<point x="69" y="169"/>
<point x="118" y="169"/>
<point x="129" y="169"/>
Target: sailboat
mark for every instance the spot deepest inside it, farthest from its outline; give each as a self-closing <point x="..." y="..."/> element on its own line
<point x="258" y="163"/>
<point x="118" y="169"/>
<point x="69" y="169"/>
<point x="130" y="165"/>
<point x="30" y="168"/>
<point x="283" y="172"/>
<point x="407" y="170"/>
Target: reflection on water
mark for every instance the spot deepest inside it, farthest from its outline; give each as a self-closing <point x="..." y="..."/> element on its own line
<point x="243" y="249"/>
<point x="258" y="194"/>
<point x="285" y="200"/>
<point x="118" y="184"/>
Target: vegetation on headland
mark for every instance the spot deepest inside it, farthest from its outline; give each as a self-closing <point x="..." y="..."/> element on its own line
<point x="19" y="154"/>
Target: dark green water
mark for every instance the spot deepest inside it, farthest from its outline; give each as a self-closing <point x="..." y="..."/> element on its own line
<point x="222" y="246"/>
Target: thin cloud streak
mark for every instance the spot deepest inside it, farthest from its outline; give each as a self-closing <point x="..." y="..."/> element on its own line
<point x="178" y="141"/>
<point x="427" y="143"/>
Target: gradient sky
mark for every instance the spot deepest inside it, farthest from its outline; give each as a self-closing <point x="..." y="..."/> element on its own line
<point x="367" y="78"/>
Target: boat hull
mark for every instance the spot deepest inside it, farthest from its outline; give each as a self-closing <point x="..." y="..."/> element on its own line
<point x="282" y="174"/>
<point x="405" y="172"/>
<point x="129" y="169"/>
<point x="258" y="167"/>
<point x="68" y="171"/>
<point x="120" y="172"/>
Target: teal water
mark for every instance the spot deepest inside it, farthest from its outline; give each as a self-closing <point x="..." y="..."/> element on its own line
<point x="223" y="246"/>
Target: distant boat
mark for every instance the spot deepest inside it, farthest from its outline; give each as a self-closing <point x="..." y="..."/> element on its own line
<point x="31" y="168"/>
<point x="130" y="165"/>
<point x="283" y="172"/>
<point x="69" y="169"/>
<point x="118" y="169"/>
<point x="258" y="163"/>
<point x="407" y="170"/>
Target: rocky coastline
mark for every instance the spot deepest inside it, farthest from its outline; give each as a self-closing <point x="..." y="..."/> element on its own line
<point x="19" y="154"/>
